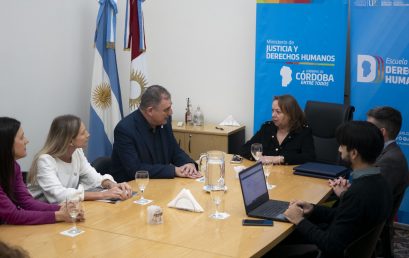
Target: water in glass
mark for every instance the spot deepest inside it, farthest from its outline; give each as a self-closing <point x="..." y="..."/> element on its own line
<point x="73" y="205"/>
<point x="257" y="150"/>
<point x="142" y="180"/>
<point x="217" y="194"/>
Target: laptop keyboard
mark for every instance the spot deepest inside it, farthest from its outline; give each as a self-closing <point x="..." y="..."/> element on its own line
<point x="278" y="208"/>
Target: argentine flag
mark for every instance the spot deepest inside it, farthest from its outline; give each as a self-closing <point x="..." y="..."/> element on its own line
<point x="106" y="104"/>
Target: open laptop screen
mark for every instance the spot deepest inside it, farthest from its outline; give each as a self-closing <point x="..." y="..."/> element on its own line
<point x="253" y="186"/>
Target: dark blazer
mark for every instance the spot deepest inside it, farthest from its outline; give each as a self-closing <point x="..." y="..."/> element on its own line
<point x="394" y="168"/>
<point x="296" y="148"/>
<point x="134" y="150"/>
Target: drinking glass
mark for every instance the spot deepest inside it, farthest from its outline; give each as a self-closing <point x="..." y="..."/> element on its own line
<point x="142" y="180"/>
<point x="257" y="151"/>
<point x="73" y="205"/>
<point x="266" y="169"/>
<point x="217" y="194"/>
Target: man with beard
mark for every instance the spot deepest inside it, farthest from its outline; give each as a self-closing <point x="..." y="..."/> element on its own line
<point x="392" y="163"/>
<point x="364" y="205"/>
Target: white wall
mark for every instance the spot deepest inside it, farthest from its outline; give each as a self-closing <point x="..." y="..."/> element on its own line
<point x="198" y="49"/>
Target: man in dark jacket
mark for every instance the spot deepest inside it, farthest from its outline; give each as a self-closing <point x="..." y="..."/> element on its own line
<point x="364" y="205"/>
<point x="392" y="161"/>
<point x="144" y="140"/>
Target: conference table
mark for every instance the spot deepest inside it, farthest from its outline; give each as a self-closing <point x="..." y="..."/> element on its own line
<point x="121" y="229"/>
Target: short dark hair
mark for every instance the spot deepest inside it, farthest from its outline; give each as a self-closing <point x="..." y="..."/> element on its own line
<point x="289" y="106"/>
<point x="363" y="136"/>
<point x="7" y="251"/>
<point x="152" y="96"/>
<point x="388" y="118"/>
<point x="8" y="131"/>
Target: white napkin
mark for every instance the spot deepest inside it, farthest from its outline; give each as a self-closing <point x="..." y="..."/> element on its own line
<point x="229" y="121"/>
<point x="238" y="169"/>
<point x="70" y="234"/>
<point x="185" y="201"/>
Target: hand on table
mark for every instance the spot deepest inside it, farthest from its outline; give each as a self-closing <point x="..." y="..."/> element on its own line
<point x="187" y="170"/>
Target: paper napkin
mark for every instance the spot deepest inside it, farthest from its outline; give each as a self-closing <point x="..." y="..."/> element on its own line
<point x="69" y="233"/>
<point x="238" y="169"/>
<point x="185" y="201"/>
<point x="229" y="121"/>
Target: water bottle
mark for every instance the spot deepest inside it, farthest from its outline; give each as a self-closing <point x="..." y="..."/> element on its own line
<point x="198" y="117"/>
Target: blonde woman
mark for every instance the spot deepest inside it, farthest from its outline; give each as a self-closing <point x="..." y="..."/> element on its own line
<point x="61" y="170"/>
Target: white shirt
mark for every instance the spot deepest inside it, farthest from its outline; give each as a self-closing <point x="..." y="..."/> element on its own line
<point x="57" y="180"/>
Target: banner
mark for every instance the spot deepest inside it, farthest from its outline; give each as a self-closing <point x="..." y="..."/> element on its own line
<point x="106" y="102"/>
<point x="380" y="61"/>
<point x="300" y="50"/>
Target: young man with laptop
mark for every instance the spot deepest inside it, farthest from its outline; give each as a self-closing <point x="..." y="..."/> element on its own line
<point x="364" y="205"/>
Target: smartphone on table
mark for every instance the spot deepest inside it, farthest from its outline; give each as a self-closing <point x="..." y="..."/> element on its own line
<point x="257" y="222"/>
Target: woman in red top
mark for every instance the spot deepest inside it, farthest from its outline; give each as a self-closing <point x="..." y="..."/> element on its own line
<point x="17" y="205"/>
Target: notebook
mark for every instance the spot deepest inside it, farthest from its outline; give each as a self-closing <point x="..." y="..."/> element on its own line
<point x="255" y="195"/>
<point x="320" y="170"/>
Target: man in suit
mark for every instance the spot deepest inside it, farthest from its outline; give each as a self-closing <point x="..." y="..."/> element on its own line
<point x="392" y="161"/>
<point x="393" y="166"/>
<point x="144" y="141"/>
<point x="364" y="205"/>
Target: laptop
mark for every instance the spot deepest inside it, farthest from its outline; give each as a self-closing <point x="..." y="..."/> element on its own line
<point x="321" y="170"/>
<point x="255" y="195"/>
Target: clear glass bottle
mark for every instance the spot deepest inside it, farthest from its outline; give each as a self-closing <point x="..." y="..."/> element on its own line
<point x="198" y="118"/>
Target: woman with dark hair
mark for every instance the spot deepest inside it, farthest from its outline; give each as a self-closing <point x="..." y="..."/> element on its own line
<point x="286" y="139"/>
<point x="60" y="169"/>
<point x="17" y="205"/>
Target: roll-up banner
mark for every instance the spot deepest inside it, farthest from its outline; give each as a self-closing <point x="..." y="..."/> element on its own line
<point x="300" y="50"/>
<point x="379" y="62"/>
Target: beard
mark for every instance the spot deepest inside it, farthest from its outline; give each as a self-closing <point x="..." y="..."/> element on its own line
<point x="346" y="161"/>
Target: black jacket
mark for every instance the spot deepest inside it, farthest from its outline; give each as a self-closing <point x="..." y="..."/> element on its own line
<point x="367" y="203"/>
<point x="297" y="147"/>
<point x="134" y="149"/>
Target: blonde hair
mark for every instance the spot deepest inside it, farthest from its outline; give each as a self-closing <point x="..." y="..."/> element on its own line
<point x="62" y="131"/>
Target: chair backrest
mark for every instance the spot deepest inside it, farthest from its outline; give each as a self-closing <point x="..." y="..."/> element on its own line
<point x="323" y="119"/>
<point x="24" y="175"/>
<point x="364" y="246"/>
<point x="385" y="244"/>
<point x="102" y="165"/>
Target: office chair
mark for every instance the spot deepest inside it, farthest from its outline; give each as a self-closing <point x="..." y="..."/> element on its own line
<point x="364" y="246"/>
<point x="24" y="174"/>
<point x="385" y="243"/>
<point x="102" y="165"/>
<point x="323" y="119"/>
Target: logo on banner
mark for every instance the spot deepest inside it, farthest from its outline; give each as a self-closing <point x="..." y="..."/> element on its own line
<point x="370" y="69"/>
<point x="285" y="73"/>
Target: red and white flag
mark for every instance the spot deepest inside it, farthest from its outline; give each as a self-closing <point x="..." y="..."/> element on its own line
<point x="135" y="41"/>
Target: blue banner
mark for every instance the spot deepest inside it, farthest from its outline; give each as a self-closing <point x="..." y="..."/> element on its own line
<point x="300" y="50"/>
<point x="379" y="64"/>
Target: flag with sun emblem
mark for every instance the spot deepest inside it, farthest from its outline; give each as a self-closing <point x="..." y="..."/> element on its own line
<point x="135" y="40"/>
<point x="106" y="103"/>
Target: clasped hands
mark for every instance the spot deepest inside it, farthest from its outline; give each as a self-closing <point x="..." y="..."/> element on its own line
<point x="187" y="170"/>
<point x="297" y="210"/>
<point x="339" y="185"/>
<point x="275" y="160"/>
<point x="120" y="191"/>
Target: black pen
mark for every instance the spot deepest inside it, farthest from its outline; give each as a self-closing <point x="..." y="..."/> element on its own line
<point x="220" y="128"/>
